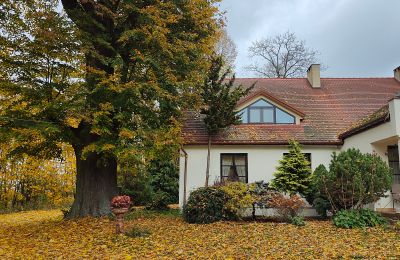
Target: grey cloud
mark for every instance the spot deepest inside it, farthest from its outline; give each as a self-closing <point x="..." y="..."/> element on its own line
<point x="356" y="38"/>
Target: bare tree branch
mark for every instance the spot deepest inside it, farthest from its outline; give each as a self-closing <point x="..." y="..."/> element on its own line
<point x="281" y="56"/>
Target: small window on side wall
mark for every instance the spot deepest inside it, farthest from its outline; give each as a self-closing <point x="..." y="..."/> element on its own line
<point x="234" y="167"/>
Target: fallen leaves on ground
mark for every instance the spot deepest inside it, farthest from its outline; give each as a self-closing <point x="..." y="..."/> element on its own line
<point x="43" y="234"/>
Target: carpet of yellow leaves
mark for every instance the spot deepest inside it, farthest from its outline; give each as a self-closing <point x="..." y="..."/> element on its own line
<point x="43" y="234"/>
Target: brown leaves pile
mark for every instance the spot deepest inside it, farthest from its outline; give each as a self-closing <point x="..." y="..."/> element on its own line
<point x="43" y="234"/>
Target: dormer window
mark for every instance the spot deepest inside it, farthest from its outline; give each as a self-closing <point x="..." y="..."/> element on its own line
<point x="263" y="112"/>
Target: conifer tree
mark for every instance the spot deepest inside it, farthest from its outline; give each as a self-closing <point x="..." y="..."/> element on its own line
<point x="294" y="172"/>
<point x="219" y="98"/>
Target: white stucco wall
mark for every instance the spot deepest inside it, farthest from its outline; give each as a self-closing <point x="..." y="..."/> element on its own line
<point x="262" y="162"/>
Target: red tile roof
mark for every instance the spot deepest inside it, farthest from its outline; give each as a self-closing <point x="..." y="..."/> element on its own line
<point x="380" y="116"/>
<point x="328" y="111"/>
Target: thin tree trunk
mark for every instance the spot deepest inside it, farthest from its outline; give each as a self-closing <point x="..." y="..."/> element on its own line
<point x="208" y="161"/>
<point x="96" y="185"/>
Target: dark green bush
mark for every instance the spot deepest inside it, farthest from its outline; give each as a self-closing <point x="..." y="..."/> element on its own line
<point x="159" y="201"/>
<point x="207" y="205"/>
<point x="136" y="184"/>
<point x="321" y="205"/>
<point x="358" y="219"/>
<point x="298" y="221"/>
<point x="165" y="179"/>
<point x="354" y="179"/>
<point x="150" y="184"/>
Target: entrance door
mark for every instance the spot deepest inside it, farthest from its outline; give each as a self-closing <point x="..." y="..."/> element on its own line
<point x="393" y="156"/>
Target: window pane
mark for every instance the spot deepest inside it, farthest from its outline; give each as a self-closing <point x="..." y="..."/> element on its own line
<point x="255" y="116"/>
<point x="240" y="160"/>
<point x="261" y="103"/>
<point x="225" y="171"/>
<point x="227" y="159"/>
<point x="283" y="117"/>
<point x="268" y="115"/>
<point x="241" y="171"/>
<point x="243" y="114"/>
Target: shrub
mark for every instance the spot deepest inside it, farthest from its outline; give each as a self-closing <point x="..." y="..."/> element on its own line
<point x="322" y="205"/>
<point x="262" y="194"/>
<point x="159" y="201"/>
<point x="136" y="183"/>
<point x="293" y="173"/>
<point x="240" y="196"/>
<point x="287" y="207"/>
<point x="207" y="205"/>
<point x="354" y="179"/>
<point x="165" y="179"/>
<point x="358" y="219"/>
<point x="314" y="196"/>
<point x="298" y="221"/>
<point x="138" y="232"/>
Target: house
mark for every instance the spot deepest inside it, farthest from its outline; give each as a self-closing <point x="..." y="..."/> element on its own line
<point x="324" y="114"/>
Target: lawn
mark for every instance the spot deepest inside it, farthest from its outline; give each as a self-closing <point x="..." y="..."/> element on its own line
<point x="43" y="234"/>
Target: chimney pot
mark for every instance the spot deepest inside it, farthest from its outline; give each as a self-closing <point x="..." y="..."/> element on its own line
<point x="313" y="75"/>
<point x="397" y="73"/>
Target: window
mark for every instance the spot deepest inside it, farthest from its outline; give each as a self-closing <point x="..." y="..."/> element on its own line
<point x="234" y="167"/>
<point x="307" y="155"/>
<point x="263" y="112"/>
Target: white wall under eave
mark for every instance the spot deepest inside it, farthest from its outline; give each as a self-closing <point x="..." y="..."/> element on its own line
<point x="394" y="110"/>
<point x="366" y="141"/>
<point x="262" y="162"/>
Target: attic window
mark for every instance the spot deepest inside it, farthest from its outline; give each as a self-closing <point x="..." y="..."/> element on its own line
<point x="263" y="112"/>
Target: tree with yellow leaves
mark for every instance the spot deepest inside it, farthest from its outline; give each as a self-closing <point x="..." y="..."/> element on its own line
<point x="108" y="77"/>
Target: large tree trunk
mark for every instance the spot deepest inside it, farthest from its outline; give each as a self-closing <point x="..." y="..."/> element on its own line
<point x="96" y="185"/>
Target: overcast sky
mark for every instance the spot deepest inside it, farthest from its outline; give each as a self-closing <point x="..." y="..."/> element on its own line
<point x="356" y="38"/>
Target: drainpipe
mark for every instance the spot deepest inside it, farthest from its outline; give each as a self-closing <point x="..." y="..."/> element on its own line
<point x="184" y="175"/>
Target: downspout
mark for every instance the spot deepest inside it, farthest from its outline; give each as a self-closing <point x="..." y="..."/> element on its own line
<point x="184" y="175"/>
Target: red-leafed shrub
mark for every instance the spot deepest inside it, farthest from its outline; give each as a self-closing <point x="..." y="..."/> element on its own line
<point x="121" y="202"/>
<point x="287" y="207"/>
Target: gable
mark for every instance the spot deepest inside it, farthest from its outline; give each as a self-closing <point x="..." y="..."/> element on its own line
<point x="262" y="110"/>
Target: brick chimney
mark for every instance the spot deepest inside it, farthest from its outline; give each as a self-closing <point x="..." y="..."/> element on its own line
<point x="397" y="73"/>
<point x="313" y="75"/>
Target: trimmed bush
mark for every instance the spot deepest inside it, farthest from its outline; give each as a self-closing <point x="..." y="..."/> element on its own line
<point x="207" y="205"/>
<point x="354" y="180"/>
<point x="358" y="219"/>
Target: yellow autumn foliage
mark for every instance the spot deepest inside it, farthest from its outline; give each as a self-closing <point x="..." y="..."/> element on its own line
<point x="27" y="182"/>
<point x="44" y="235"/>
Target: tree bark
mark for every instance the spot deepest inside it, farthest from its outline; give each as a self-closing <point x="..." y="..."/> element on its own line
<point x="208" y="161"/>
<point x="96" y="185"/>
